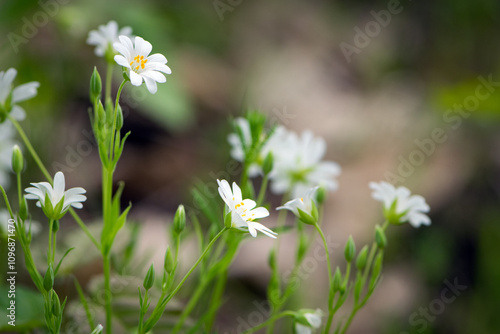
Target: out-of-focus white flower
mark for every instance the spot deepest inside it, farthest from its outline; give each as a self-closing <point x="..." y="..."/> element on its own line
<point x="304" y="207"/>
<point x="299" y="166"/>
<point x="55" y="202"/>
<point x="139" y="64"/>
<point x="399" y="205"/>
<point x="4" y="222"/>
<point x="238" y="146"/>
<point x="9" y="96"/>
<point x="243" y="211"/>
<point x="97" y="330"/>
<point x="7" y="133"/>
<point x="308" y="320"/>
<point x="104" y="37"/>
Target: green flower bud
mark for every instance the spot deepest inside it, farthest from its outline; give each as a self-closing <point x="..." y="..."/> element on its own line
<point x="17" y="160"/>
<point x="377" y="269"/>
<point x="56" y="304"/>
<point x="358" y="287"/>
<point x="350" y="249"/>
<point x="119" y="118"/>
<point x="337" y="280"/>
<point x="321" y="195"/>
<point x="267" y="165"/>
<point x="150" y="278"/>
<point x="179" y="219"/>
<point x="380" y="237"/>
<point x="361" y="260"/>
<point x="95" y="86"/>
<point x="23" y="209"/>
<point x="256" y="121"/>
<point x="169" y="261"/>
<point x="48" y="280"/>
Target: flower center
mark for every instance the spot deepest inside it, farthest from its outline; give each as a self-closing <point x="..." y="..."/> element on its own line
<point x="138" y="62"/>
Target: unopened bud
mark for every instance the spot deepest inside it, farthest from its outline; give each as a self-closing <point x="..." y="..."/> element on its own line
<point x="95" y="86"/>
<point x="179" y="219"/>
<point x="267" y="165"/>
<point x="150" y="278"/>
<point x="361" y="260"/>
<point x="17" y="160"/>
<point x="350" y="249"/>
<point x="380" y="237"/>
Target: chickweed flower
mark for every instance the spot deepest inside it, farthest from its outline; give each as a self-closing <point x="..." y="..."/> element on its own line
<point x="307" y="320"/>
<point x="399" y="205"/>
<point x="54" y="201"/>
<point x="243" y="211"/>
<point x="299" y="166"/>
<point x="7" y="133"/>
<point x="104" y="37"/>
<point x="9" y="97"/>
<point x="140" y="66"/>
<point x="304" y="207"/>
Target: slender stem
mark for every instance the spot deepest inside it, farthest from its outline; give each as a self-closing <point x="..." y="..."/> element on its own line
<point x="112" y="147"/>
<point x="6" y="199"/>
<point x="109" y="79"/>
<point x="200" y="289"/>
<point x="270" y="320"/>
<point x="19" y="191"/>
<point x="85" y="229"/>
<point x="54" y="232"/>
<point x="172" y="294"/>
<point x="263" y="188"/>
<point x="49" y="252"/>
<point x="107" y="292"/>
<point x="30" y="147"/>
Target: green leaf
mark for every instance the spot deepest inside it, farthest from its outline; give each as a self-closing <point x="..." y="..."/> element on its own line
<point x="61" y="260"/>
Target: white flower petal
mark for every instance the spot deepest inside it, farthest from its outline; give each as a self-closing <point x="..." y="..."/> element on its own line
<point x="135" y="79"/>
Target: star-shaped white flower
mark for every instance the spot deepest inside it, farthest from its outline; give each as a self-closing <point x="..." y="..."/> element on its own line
<point x="243" y="211"/>
<point x="19" y="94"/>
<point x="303" y="205"/>
<point x="399" y="205"/>
<point x="54" y="201"/>
<point x="310" y="320"/>
<point x="139" y="64"/>
<point x="105" y="36"/>
<point x="299" y="165"/>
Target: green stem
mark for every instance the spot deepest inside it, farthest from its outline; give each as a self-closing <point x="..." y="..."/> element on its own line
<point x="49" y="252"/>
<point x="109" y="79"/>
<point x="6" y="199"/>
<point x="19" y="191"/>
<point x="172" y="294"/>
<point x="269" y="321"/>
<point x="216" y="299"/>
<point x="112" y="147"/>
<point x="107" y="292"/>
<point x="263" y="188"/>
<point x="200" y="289"/>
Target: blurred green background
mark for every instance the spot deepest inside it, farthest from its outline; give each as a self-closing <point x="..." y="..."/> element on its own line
<point x="409" y="75"/>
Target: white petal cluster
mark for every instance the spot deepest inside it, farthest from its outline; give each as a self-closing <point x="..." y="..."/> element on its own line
<point x="140" y="66"/>
<point x="304" y="204"/>
<point x="59" y="200"/>
<point x="7" y="141"/>
<point x="298" y="163"/>
<point x="313" y="320"/>
<point x="19" y="94"/>
<point x="104" y="37"/>
<point x="400" y="205"/>
<point x="243" y="211"/>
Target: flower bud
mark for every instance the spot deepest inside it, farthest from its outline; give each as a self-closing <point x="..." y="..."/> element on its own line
<point x="95" y="86"/>
<point x="361" y="260"/>
<point x="321" y="195"/>
<point x="56" y="304"/>
<point x="267" y="165"/>
<point x="380" y="237"/>
<point x="350" y="249"/>
<point x="150" y="278"/>
<point x="377" y="269"/>
<point x="23" y="208"/>
<point x="169" y="261"/>
<point x="119" y="118"/>
<point x="17" y="160"/>
<point x="48" y="280"/>
<point x="179" y="219"/>
<point x="337" y="279"/>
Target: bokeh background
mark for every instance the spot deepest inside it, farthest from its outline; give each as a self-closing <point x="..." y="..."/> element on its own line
<point x="393" y="87"/>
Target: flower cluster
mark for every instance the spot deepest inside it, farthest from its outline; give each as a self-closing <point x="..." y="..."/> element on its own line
<point x="297" y="159"/>
<point x="105" y="36"/>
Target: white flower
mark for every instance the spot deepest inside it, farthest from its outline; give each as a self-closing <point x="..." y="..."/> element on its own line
<point x="4" y="222"/>
<point x="310" y="320"/>
<point x="303" y="205"/>
<point x="105" y="36"/>
<point x="243" y="211"/>
<point x="20" y="93"/>
<point x="7" y="133"/>
<point x="299" y="166"/>
<point x="139" y="64"/>
<point x="97" y="330"/>
<point x="238" y="146"/>
<point x="55" y="201"/>
<point x="399" y="205"/>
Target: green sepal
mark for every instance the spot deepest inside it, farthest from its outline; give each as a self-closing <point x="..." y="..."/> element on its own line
<point x="362" y="258"/>
<point x="350" y="249"/>
<point x="150" y="278"/>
